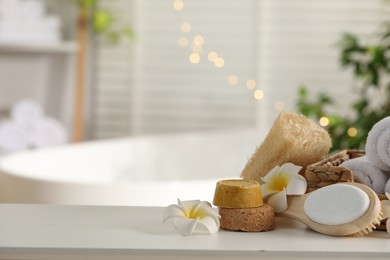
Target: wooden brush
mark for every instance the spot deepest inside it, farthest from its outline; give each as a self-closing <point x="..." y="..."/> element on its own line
<point x="308" y="208"/>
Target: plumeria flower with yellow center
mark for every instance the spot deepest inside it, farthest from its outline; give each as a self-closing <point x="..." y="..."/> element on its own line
<point x="386" y="211"/>
<point x="282" y="181"/>
<point x="191" y="214"/>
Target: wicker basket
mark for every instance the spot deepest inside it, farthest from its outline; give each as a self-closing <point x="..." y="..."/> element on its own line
<point x="328" y="171"/>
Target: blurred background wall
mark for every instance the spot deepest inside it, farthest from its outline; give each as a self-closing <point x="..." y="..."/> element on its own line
<point x="193" y="65"/>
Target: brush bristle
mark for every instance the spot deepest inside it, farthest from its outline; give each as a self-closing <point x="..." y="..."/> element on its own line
<point x="370" y="228"/>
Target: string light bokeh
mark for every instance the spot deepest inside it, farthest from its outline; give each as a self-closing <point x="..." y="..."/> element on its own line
<point x="197" y="48"/>
<point x="198" y="53"/>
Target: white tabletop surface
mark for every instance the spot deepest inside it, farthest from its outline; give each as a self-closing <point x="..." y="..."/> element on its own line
<point x="111" y="232"/>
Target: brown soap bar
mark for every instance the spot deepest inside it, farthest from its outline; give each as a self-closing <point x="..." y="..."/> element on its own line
<point x="250" y="219"/>
<point x="237" y="194"/>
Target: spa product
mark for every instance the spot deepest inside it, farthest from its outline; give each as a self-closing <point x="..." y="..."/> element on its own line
<point x="378" y="144"/>
<point x="237" y="194"/>
<point x="378" y="149"/>
<point x="343" y="209"/>
<point x="366" y="172"/>
<point x="249" y="219"/>
<point x="293" y="138"/>
<point x="241" y="206"/>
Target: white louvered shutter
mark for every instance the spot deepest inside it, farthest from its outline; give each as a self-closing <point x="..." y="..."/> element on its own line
<point x="112" y="79"/>
<point x="151" y="87"/>
<point x="175" y="95"/>
<point x="169" y="93"/>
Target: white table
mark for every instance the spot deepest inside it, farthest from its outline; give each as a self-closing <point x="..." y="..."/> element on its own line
<point x="110" y="232"/>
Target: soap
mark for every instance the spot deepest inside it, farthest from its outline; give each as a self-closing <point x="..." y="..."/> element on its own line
<point x="238" y="194"/>
<point x="257" y="219"/>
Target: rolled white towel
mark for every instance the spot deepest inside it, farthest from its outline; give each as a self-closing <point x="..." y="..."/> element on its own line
<point x="387" y="187"/>
<point x="364" y="171"/>
<point x="47" y="132"/>
<point x="26" y="113"/>
<point x="378" y="144"/>
<point x="12" y="137"/>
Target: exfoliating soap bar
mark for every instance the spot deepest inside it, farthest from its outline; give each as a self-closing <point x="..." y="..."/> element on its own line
<point x="258" y="219"/>
<point x="238" y="194"/>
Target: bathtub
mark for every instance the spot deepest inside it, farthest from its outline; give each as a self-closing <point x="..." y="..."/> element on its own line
<point x="138" y="171"/>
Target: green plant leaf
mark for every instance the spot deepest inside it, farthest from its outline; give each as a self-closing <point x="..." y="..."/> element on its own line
<point x="87" y="3"/>
<point x="101" y="20"/>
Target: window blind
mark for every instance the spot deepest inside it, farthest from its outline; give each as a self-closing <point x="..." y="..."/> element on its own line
<point x="151" y="86"/>
<point x="112" y="78"/>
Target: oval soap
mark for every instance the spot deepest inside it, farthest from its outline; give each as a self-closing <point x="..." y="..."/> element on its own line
<point x="238" y="194"/>
<point x="336" y="204"/>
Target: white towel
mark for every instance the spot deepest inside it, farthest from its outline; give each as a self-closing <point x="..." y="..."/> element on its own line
<point x="378" y="144"/>
<point x="387" y="187"/>
<point x="12" y="137"/>
<point x="365" y="172"/>
<point x="47" y="132"/>
<point x="26" y="113"/>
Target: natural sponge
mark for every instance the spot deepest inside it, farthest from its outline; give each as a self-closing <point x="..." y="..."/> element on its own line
<point x="292" y="138"/>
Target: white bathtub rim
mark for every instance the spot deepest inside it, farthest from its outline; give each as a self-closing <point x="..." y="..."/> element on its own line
<point x="7" y="163"/>
<point x="120" y="194"/>
<point x="40" y="189"/>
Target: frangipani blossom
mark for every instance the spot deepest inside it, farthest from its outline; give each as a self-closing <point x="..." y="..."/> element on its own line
<point x="386" y="211"/>
<point x="282" y="181"/>
<point x="188" y="215"/>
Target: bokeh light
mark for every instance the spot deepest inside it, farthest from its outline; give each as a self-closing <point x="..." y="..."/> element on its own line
<point x="219" y="62"/>
<point x="194" y="58"/>
<point x="185" y="27"/>
<point x="178" y="5"/>
<point x="183" y="41"/>
<point x="233" y="80"/>
<point x="212" y="56"/>
<point x="324" y="121"/>
<point x="199" y="40"/>
<point x="352" y="132"/>
<point x="251" y="84"/>
<point x="196" y="48"/>
<point x="258" y="94"/>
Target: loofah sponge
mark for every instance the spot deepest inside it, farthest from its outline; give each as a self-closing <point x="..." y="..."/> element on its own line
<point x="292" y="138"/>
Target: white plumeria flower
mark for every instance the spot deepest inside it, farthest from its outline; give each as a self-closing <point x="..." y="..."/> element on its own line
<point x="282" y="181"/>
<point x="386" y="211"/>
<point x="188" y="215"/>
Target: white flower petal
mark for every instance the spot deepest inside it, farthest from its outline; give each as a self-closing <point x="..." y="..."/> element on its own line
<point x="267" y="190"/>
<point x="278" y="201"/>
<point x="388" y="226"/>
<point x="287" y="176"/>
<point x="185" y="226"/>
<point x="297" y="185"/>
<point x="188" y="205"/>
<point x="205" y="208"/>
<point x="388" y="195"/>
<point x="385" y="208"/>
<point x="173" y="211"/>
<point x="271" y="174"/>
<point x="290" y="168"/>
<point x="188" y="214"/>
<point x="210" y="224"/>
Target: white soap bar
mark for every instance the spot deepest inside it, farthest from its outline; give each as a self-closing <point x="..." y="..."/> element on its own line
<point x="336" y="204"/>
